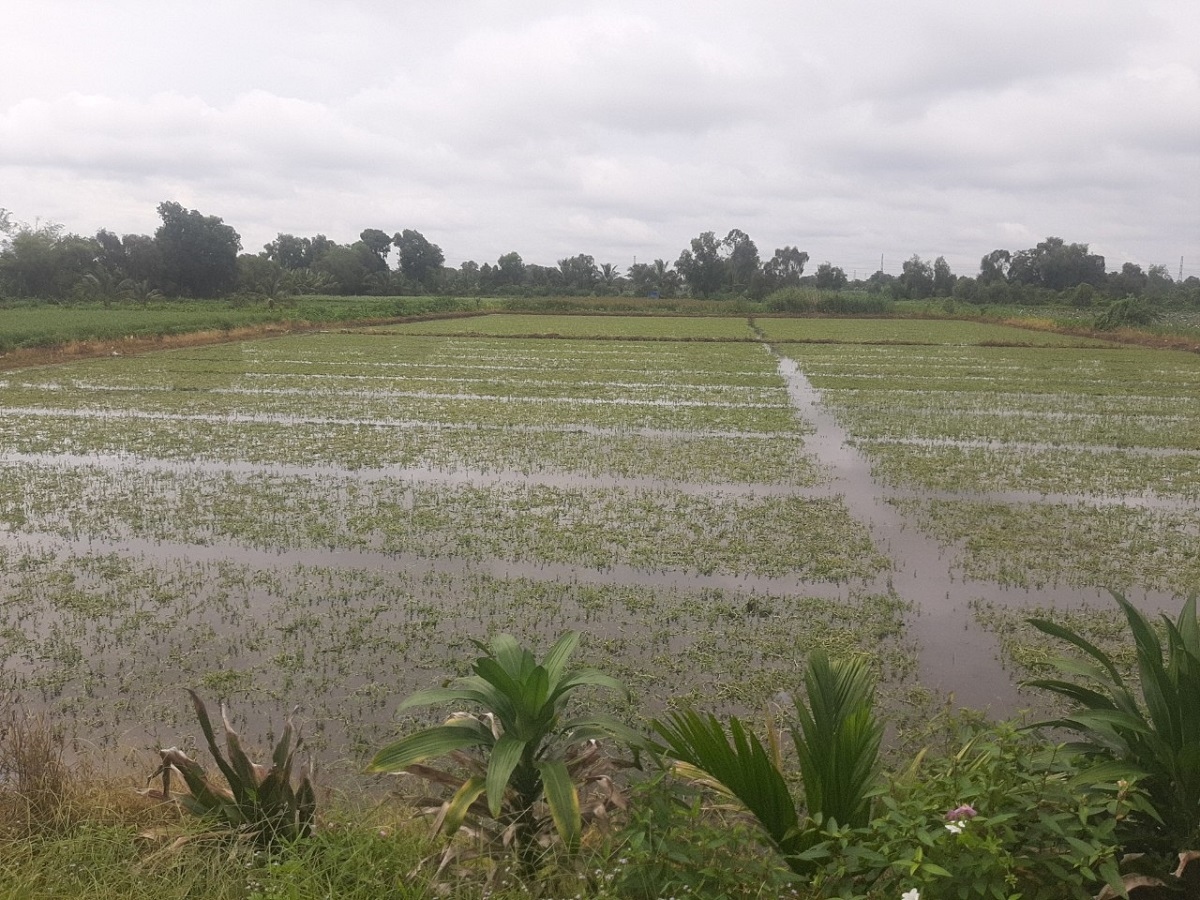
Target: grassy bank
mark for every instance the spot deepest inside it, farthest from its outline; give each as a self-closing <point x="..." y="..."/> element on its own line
<point x="38" y="326"/>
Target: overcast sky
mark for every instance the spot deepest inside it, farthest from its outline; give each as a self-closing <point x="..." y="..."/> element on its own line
<point x="853" y="129"/>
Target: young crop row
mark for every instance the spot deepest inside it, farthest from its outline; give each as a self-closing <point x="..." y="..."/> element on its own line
<point x="1043" y="545"/>
<point x="92" y="635"/>
<point x="340" y="448"/>
<point x="1128" y="372"/>
<point x="335" y="377"/>
<point x="1095" y="474"/>
<point x="648" y="530"/>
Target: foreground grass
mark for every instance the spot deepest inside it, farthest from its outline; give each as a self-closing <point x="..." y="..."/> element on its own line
<point x="66" y="834"/>
<point x="99" y="838"/>
<point x="102" y="845"/>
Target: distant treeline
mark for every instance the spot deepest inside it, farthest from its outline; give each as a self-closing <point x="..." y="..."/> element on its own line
<point x="197" y="256"/>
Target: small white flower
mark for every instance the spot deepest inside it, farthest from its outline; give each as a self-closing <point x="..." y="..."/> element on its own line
<point x="913" y="894"/>
<point x="956" y="827"/>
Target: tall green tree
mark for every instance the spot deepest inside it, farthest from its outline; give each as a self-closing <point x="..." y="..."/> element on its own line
<point x="143" y="259"/>
<point x="654" y="278"/>
<point x="1131" y="281"/>
<point x="199" y="253"/>
<point x="349" y="269"/>
<point x="509" y="270"/>
<point x="466" y="280"/>
<point x="579" y="273"/>
<point x="831" y="277"/>
<point x="916" y="279"/>
<point x="46" y="263"/>
<point x="610" y="276"/>
<point x="742" y="262"/>
<point x="1158" y="282"/>
<point x="319" y="246"/>
<point x="943" y="278"/>
<point x="259" y="274"/>
<point x="702" y="267"/>
<point x="1056" y="265"/>
<point x="290" y="251"/>
<point x="379" y="242"/>
<point x="994" y="267"/>
<point x="785" y="267"/>
<point x="420" y="260"/>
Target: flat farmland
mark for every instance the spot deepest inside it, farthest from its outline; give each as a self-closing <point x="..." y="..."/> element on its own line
<point x="329" y="519"/>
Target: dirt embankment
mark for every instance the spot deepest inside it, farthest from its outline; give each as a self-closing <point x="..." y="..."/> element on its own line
<point x="72" y="350"/>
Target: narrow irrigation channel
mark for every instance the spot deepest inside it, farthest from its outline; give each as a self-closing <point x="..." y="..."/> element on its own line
<point x="956" y="655"/>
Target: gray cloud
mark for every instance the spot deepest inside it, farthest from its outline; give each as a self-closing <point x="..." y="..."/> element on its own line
<point x="616" y="129"/>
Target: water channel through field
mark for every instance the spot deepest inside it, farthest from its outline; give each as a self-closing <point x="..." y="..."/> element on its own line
<point x="957" y="656"/>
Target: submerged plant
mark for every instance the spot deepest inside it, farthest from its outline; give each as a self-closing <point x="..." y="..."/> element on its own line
<point x="259" y="803"/>
<point x="526" y="757"/>
<point x="837" y="743"/>
<point x="1152" y="732"/>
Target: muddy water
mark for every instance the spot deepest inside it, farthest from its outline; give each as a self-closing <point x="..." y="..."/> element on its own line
<point x="956" y="656"/>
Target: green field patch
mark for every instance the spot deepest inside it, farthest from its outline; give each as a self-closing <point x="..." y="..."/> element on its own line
<point x="693" y="457"/>
<point x="1076" y="399"/>
<point x="1069" y="430"/>
<point x="1031" y="652"/>
<point x="681" y="328"/>
<point x="1104" y="473"/>
<point x="648" y="530"/>
<point x="419" y="406"/>
<point x="349" y="644"/>
<point x="1036" y="545"/>
<point x="1125" y="372"/>
<point x="355" y="377"/>
<point x="45" y="325"/>
<point x="913" y="331"/>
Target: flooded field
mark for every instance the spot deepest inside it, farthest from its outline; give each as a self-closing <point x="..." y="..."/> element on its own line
<point x="328" y="519"/>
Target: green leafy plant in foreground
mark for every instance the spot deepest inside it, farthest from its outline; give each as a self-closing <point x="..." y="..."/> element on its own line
<point x="526" y="756"/>
<point x="837" y="743"/>
<point x="1154" y="737"/>
<point x="1003" y="816"/>
<point x="259" y="803"/>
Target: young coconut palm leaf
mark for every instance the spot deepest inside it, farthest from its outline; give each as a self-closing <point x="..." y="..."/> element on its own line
<point x="259" y="803"/>
<point x="739" y="765"/>
<point x="837" y="742"/>
<point x="1156" y="735"/>
<point x="532" y="754"/>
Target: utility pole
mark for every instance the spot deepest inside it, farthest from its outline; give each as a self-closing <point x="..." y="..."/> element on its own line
<point x="1181" y="270"/>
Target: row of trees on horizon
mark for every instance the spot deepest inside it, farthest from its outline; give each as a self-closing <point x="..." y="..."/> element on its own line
<point x="197" y="255"/>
